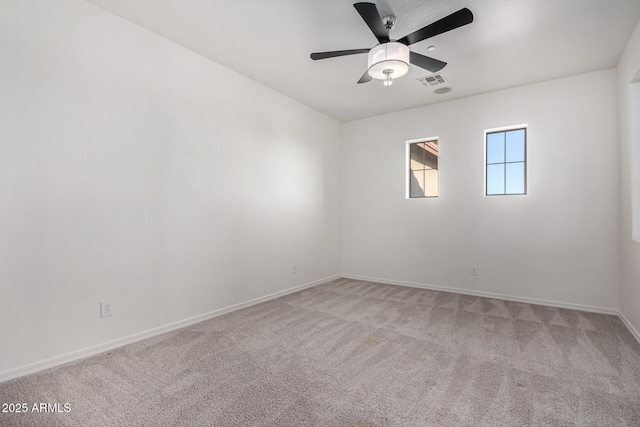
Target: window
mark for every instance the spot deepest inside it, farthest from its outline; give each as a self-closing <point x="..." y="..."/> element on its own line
<point x="423" y="169"/>
<point x="506" y="162"/>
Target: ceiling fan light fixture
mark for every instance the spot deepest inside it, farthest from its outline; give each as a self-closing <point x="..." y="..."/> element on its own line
<point x="387" y="59"/>
<point x="393" y="57"/>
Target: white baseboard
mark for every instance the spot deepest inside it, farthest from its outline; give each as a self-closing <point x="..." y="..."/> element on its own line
<point x="559" y="304"/>
<point x="548" y="303"/>
<point x="100" y="348"/>
<point x="629" y="326"/>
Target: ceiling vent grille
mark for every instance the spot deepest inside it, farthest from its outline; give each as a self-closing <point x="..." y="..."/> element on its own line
<point x="432" y="80"/>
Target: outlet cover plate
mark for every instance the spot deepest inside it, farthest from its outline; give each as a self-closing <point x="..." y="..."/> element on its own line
<point x="106" y="308"/>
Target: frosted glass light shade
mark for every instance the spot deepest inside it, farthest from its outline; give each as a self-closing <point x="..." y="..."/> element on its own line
<point x="390" y="56"/>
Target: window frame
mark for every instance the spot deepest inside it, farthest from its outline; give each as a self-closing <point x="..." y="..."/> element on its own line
<point x="408" y="167"/>
<point x="505" y="129"/>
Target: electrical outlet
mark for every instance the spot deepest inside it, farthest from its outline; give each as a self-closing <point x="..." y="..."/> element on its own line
<point x="295" y="268"/>
<point x="106" y="308"/>
<point x="474" y="270"/>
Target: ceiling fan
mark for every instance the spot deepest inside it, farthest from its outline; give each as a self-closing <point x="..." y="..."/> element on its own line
<point x="390" y="58"/>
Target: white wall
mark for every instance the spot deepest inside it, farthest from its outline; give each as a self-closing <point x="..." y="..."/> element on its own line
<point x="559" y="243"/>
<point x="629" y="112"/>
<point x="135" y="170"/>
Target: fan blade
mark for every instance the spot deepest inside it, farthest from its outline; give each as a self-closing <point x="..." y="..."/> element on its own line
<point x="369" y="13"/>
<point x="425" y="62"/>
<point x="448" y="23"/>
<point x="365" y="77"/>
<point x="333" y="54"/>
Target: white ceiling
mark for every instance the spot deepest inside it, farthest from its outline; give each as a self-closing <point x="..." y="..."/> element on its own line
<point x="510" y="43"/>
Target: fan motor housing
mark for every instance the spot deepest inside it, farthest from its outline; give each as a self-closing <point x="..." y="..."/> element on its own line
<point x="388" y="59"/>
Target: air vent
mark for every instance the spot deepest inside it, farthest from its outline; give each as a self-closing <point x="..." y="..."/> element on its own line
<point x="432" y="80"/>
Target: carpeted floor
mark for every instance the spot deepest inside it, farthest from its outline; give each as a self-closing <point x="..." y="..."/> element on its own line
<point x="356" y="354"/>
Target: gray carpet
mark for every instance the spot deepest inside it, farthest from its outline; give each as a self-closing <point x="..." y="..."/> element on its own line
<point x="356" y="354"/>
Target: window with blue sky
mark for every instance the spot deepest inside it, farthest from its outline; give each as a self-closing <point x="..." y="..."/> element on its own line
<point x="506" y="162"/>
